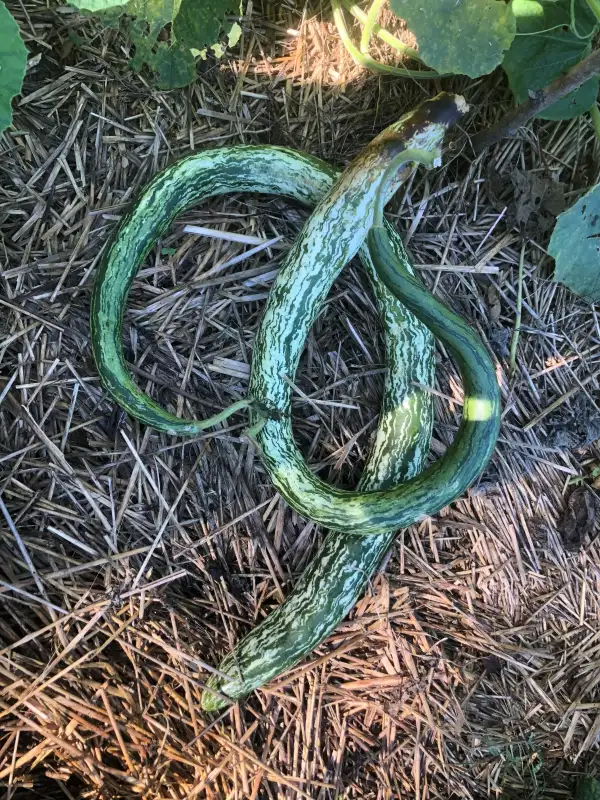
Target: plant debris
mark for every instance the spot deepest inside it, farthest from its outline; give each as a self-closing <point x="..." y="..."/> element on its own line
<point x="574" y="426"/>
<point x="532" y="199"/>
<point x="577" y="526"/>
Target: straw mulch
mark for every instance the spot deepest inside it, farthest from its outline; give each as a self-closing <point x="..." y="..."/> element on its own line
<point x="130" y="560"/>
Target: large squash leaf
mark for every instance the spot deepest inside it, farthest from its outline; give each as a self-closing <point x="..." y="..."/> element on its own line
<point x="176" y="66"/>
<point x="13" y="62"/>
<point x="467" y="37"/>
<point x="575" y="247"/>
<point x="199" y="23"/>
<point x="154" y="11"/>
<point x="545" y="47"/>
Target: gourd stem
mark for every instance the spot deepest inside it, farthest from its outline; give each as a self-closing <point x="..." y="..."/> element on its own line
<point x="426" y="157"/>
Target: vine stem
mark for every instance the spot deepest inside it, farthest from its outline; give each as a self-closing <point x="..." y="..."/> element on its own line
<point x="508" y="126"/>
<point x="370" y="22"/>
<point x="382" y="33"/>
<point x="366" y="61"/>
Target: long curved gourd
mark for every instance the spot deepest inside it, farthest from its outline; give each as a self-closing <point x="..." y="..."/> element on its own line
<point x="169" y="194"/>
<point x="336" y="577"/>
<point x="305" y="618"/>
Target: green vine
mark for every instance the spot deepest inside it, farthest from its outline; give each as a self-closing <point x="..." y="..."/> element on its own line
<point x="381" y="33"/>
<point x="535" y="41"/>
<point x="367" y="31"/>
<point x="365" y="60"/>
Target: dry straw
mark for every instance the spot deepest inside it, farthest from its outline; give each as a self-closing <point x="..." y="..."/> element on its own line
<point x="130" y="562"/>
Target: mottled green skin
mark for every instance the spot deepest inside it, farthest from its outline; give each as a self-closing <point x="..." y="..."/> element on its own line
<point x="477" y="434"/>
<point x="444" y="481"/>
<point x="337" y="576"/>
<point x="334" y="581"/>
<point x="337" y="229"/>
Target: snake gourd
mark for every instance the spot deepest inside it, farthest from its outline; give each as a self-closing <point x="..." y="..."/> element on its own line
<point x="337" y="576"/>
<point x="310" y="613"/>
<point x="334" y="233"/>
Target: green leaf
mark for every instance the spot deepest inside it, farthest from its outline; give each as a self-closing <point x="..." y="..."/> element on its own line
<point x="545" y="47"/>
<point x="144" y="37"/>
<point x="13" y="62"/>
<point x="176" y="66"/>
<point x="467" y="37"/>
<point x="575" y="247"/>
<point x="588" y="788"/>
<point x="199" y="23"/>
<point x="154" y="11"/>
<point x="232" y="33"/>
<point x="95" y="5"/>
